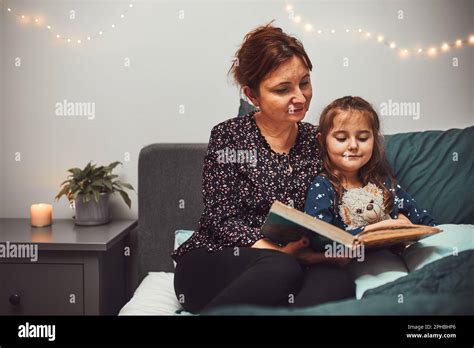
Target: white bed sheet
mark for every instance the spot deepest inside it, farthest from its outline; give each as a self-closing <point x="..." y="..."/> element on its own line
<point x="154" y="296"/>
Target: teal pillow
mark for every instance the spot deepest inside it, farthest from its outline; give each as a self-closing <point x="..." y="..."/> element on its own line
<point x="379" y="267"/>
<point x="436" y="168"/>
<point x="245" y="108"/>
<point x="181" y="236"/>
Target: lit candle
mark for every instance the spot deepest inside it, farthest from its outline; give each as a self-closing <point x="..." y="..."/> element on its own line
<point x="41" y="214"/>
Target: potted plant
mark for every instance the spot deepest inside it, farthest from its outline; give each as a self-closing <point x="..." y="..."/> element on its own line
<point x="90" y="189"/>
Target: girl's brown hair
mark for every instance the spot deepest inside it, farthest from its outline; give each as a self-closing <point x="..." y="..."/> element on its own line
<point x="377" y="170"/>
<point x="262" y="51"/>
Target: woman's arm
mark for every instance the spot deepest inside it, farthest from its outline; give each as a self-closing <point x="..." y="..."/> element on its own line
<point x="222" y="215"/>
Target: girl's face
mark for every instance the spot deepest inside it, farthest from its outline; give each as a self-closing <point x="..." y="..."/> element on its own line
<point x="286" y="93"/>
<point x="350" y="142"/>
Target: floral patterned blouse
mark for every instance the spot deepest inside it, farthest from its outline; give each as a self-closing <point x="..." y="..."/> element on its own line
<point x="243" y="176"/>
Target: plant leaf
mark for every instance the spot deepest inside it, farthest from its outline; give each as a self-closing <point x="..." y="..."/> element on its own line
<point x="125" y="198"/>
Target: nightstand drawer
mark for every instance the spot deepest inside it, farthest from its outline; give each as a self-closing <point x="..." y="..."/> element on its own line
<point x="41" y="289"/>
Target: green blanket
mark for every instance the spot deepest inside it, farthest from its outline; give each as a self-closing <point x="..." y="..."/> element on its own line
<point x="444" y="287"/>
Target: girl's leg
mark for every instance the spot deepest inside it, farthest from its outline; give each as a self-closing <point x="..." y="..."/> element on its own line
<point x="325" y="283"/>
<point x="205" y="280"/>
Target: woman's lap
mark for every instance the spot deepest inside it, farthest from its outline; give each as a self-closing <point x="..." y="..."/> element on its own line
<point x="255" y="276"/>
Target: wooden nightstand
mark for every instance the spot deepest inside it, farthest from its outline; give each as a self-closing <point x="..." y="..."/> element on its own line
<point x="79" y="270"/>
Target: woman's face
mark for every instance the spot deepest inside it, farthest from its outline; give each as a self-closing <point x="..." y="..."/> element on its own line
<point x="285" y="94"/>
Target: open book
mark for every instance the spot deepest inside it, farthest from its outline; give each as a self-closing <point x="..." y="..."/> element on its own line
<point x="285" y="224"/>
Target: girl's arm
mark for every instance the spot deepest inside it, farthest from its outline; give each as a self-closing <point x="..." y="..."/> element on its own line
<point x="320" y="199"/>
<point x="319" y="204"/>
<point x="405" y="207"/>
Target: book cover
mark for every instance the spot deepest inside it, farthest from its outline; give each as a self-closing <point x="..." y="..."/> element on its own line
<point x="285" y="224"/>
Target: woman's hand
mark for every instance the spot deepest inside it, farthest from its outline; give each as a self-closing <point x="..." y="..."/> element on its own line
<point x="300" y="250"/>
<point x="308" y="256"/>
<point x="291" y="248"/>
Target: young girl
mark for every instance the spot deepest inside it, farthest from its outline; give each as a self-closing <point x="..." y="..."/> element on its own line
<point x="357" y="187"/>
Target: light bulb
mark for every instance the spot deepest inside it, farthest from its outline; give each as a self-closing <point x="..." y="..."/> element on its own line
<point x="471" y="39"/>
<point x="289" y="7"/>
<point x="445" y="47"/>
<point x="58" y="36"/>
<point x="88" y="38"/>
<point x="308" y="27"/>
<point x="360" y="30"/>
<point x="348" y="30"/>
<point x="113" y="25"/>
<point x="101" y="32"/>
<point x="393" y="45"/>
<point x="9" y="9"/>
<point x="332" y="31"/>
<point x="320" y="31"/>
<point x="131" y="5"/>
<point x="380" y="38"/>
<point x="49" y="27"/>
<point x="79" y="41"/>
<point x="458" y="43"/>
<point x="122" y="16"/>
<point x="404" y="53"/>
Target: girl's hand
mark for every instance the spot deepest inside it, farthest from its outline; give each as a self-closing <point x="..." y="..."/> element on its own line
<point x="402" y="217"/>
<point x="388" y="223"/>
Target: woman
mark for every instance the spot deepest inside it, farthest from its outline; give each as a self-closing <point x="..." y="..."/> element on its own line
<point x="273" y="156"/>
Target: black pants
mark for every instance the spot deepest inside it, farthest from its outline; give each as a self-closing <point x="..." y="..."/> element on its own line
<point x="263" y="277"/>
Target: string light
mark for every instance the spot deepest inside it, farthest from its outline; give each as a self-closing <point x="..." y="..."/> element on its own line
<point x="403" y="52"/>
<point x="41" y="23"/>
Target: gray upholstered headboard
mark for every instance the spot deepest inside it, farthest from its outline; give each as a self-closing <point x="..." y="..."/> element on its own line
<point x="169" y="198"/>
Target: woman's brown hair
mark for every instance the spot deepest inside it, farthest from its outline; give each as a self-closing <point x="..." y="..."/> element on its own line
<point x="262" y="51"/>
<point x="377" y="170"/>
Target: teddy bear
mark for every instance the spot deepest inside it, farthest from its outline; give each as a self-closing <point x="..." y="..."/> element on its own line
<point x="362" y="206"/>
